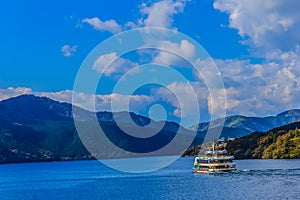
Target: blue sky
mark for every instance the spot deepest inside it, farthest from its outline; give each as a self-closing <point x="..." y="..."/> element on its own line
<point x="255" y="45"/>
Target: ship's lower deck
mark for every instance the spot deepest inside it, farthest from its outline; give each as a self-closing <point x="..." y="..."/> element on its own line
<point x="207" y="171"/>
<point x="214" y="164"/>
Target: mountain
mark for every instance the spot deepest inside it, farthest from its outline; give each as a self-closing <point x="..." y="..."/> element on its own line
<point x="40" y="129"/>
<point x="238" y="125"/>
<point x="282" y="142"/>
<point x="279" y="143"/>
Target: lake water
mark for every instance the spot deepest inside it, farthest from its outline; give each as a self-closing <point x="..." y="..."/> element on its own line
<point x="255" y="179"/>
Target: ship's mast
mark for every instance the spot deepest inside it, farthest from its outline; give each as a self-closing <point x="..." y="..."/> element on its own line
<point x="213" y="145"/>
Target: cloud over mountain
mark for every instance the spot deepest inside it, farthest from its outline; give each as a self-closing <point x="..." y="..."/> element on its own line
<point x="270" y="29"/>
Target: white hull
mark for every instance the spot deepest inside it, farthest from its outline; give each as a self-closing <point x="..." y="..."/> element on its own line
<point x="210" y="171"/>
<point x="205" y="165"/>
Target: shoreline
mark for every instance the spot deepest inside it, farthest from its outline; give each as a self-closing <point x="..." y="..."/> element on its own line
<point x="50" y="161"/>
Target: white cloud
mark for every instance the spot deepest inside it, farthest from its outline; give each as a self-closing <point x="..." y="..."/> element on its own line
<point x="62" y="96"/>
<point x="90" y="102"/>
<point x="185" y="97"/>
<point x="271" y="30"/>
<point x="103" y="102"/>
<point x="115" y="64"/>
<point x="68" y="50"/>
<point x="120" y="102"/>
<point x="262" y="89"/>
<point x="137" y="103"/>
<point x="218" y="103"/>
<point x="160" y="14"/>
<point x="110" y="25"/>
<point x="264" y="24"/>
<point x="184" y="49"/>
<point x="13" y="92"/>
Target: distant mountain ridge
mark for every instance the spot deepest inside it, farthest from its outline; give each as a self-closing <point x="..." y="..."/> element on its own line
<point x="246" y="125"/>
<point x="40" y="129"/>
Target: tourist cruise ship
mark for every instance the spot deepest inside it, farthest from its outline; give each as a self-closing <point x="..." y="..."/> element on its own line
<point x="215" y="160"/>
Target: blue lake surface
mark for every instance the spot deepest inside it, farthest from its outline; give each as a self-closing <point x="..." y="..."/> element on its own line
<point x="255" y="179"/>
